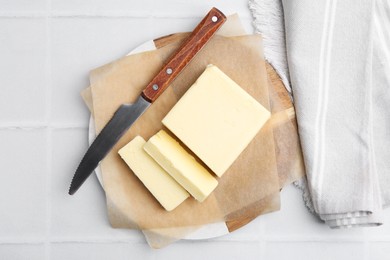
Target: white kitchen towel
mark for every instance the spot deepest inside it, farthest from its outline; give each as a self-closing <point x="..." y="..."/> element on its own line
<point x="339" y="65"/>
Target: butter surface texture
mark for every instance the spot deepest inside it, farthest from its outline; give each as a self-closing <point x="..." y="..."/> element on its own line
<point x="181" y="165"/>
<point x="163" y="187"/>
<point x="216" y="119"/>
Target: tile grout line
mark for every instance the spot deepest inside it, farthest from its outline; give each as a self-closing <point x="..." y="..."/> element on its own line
<point x="19" y="241"/>
<point x="367" y="250"/>
<point x="109" y="15"/>
<point x="28" y="127"/>
<point x="42" y="241"/>
<point x="49" y="148"/>
<point x="366" y="246"/>
<point x="88" y="240"/>
<point x="263" y="239"/>
<point x="48" y="91"/>
<point x="48" y="193"/>
<point x="318" y="239"/>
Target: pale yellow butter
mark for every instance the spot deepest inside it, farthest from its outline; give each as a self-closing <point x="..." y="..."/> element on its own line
<point x="163" y="187"/>
<point x="216" y="119"/>
<point x="181" y="165"/>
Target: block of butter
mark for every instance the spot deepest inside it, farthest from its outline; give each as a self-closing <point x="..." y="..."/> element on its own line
<point x="216" y="119"/>
<point x="181" y="165"/>
<point x="163" y="187"/>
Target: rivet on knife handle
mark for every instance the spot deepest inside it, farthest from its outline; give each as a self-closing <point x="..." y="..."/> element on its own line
<point x="192" y="45"/>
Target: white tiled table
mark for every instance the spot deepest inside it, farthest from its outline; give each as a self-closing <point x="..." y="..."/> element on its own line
<point x="47" y="48"/>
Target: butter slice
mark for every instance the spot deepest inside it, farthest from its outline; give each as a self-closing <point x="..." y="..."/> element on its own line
<point x="181" y="165"/>
<point x="216" y="119"/>
<point x="163" y="187"/>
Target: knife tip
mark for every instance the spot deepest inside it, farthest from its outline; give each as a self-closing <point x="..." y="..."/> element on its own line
<point x="71" y="191"/>
<point x="72" y="188"/>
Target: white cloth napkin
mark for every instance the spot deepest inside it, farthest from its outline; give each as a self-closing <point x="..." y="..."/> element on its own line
<point x="338" y="59"/>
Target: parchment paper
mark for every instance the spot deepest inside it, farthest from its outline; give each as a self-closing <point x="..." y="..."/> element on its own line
<point x="252" y="177"/>
<point x="252" y="182"/>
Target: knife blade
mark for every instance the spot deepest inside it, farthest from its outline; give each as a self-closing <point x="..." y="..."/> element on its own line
<point x="127" y="114"/>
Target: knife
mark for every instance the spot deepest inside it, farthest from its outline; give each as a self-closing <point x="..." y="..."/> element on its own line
<point x="127" y="114"/>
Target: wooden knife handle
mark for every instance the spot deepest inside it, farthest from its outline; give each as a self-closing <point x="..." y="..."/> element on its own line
<point x="191" y="46"/>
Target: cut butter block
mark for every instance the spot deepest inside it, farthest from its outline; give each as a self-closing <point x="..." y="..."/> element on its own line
<point x="163" y="187"/>
<point x="216" y="119"/>
<point x="181" y="165"/>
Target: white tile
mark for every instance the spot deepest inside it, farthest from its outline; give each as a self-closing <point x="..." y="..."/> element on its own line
<point x="156" y="7"/>
<point x="313" y="250"/>
<point x="186" y="15"/>
<point x="79" y="45"/>
<point x="97" y="251"/>
<point x="295" y="221"/>
<point x="200" y="8"/>
<point x="83" y="215"/>
<point x="22" y="66"/>
<point x="162" y="26"/>
<point x="379" y="250"/>
<point x="210" y="250"/>
<point x="167" y="25"/>
<point x="22" y="252"/>
<point x="22" y="183"/>
<point x="91" y="6"/>
<point x="22" y="5"/>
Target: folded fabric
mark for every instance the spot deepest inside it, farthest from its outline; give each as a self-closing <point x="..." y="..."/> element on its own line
<point x="338" y="64"/>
